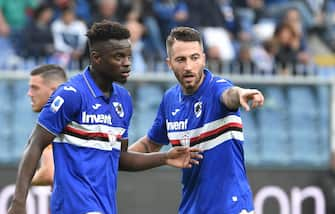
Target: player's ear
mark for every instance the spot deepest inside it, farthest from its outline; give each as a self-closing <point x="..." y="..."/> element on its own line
<point x="168" y="62"/>
<point x="204" y="56"/>
<point x="95" y="57"/>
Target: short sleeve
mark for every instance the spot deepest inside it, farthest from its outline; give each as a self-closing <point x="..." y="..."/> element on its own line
<point x="61" y="108"/>
<point x="158" y="132"/>
<point x="220" y="86"/>
<point x="129" y="109"/>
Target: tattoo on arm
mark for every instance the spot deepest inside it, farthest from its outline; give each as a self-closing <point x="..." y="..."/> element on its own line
<point x="231" y="98"/>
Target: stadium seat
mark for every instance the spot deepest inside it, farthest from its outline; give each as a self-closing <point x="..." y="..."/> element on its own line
<point x="148" y="95"/>
<point x="275" y="148"/>
<point x="142" y="120"/>
<point x="6" y="95"/>
<point x="6" y="142"/>
<point x="302" y="101"/>
<point x="323" y="99"/>
<point x="274" y="119"/>
<point x="250" y="130"/>
<point x="305" y="148"/>
<point x="275" y="97"/>
<point x="303" y="123"/>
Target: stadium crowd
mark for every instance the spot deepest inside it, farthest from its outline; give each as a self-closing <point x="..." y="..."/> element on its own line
<point x="242" y="36"/>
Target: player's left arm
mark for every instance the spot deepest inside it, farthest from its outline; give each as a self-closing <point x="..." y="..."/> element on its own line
<point x="236" y="97"/>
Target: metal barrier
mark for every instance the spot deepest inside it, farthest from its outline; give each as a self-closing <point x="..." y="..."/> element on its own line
<point x="294" y="128"/>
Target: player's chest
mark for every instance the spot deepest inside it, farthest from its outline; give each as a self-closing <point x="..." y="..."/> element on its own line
<point x="185" y="115"/>
<point x="98" y="111"/>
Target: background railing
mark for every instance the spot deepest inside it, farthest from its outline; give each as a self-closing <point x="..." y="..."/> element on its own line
<point x="294" y="129"/>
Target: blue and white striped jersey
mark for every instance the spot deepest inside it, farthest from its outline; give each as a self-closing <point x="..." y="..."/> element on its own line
<point x="219" y="184"/>
<point x="86" y="149"/>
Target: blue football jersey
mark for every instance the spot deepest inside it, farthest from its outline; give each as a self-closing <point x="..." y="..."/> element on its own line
<point x="219" y="184"/>
<point x="88" y="128"/>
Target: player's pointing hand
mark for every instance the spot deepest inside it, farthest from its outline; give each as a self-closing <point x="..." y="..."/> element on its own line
<point x="253" y="95"/>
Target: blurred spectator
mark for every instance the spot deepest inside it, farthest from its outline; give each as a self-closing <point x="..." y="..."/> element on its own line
<point x="231" y="21"/>
<point x="107" y="9"/>
<point x="214" y="13"/>
<point x="328" y="186"/>
<point x="275" y="8"/>
<point x="292" y="17"/>
<point x="252" y="10"/>
<point x="254" y="21"/>
<point x="327" y="32"/>
<point x="13" y="18"/>
<point x="244" y="63"/>
<point x="169" y="14"/>
<point x="58" y="6"/>
<point x="69" y="37"/>
<point x="317" y="6"/>
<point x="154" y="46"/>
<point x="221" y="25"/>
<point x="113" y="10"/>
<point x="37" y="37"/>
<point x="136" y="32"/>
<point x="218" y="44"/>
<point x="263" y="57"/>
<point x="287" y="41"/>
<point x="83" y="10"/>
<point x="196" y="11"/>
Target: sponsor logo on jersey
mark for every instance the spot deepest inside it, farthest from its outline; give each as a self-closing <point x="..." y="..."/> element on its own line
<point x="118" y="108"/>
<point x="198" y="109"/>
<point x="185" y="141"/>
<point x="96" y="118"/>
<point x="176" y="125"/>
<point x="56" y="104"/>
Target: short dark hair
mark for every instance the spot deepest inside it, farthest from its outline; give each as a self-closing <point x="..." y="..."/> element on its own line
<point x="50" y="72"/>
<point x="105" y="30"/>
<point x="40" y="9"/>
<point x="185" y="34"/>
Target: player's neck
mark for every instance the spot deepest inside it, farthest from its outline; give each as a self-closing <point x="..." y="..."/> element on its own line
<point x="103" y="84"/>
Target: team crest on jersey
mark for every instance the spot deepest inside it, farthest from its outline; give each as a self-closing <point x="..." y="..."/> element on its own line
<point x="198" y="109"/>
<point x="56" y="104"/>
<point x="118" y="108"/>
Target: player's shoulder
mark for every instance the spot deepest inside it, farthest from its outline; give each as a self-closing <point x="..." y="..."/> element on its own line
<point x="173" y="90"/>
<point x="120" y="89"/>
<point x="70" y="90"/>
<point x="221" y="81"/>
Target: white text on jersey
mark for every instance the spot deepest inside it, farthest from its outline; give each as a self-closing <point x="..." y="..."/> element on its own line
<point x="96" y="118"/>
<point x="177" y="125"/>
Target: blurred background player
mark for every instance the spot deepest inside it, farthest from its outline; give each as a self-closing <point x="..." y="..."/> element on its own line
<point x="43" y="81"/>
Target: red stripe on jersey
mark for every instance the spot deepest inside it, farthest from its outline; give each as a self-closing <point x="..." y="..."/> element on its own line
<point x="204" y="135"/>
<point x="86" y="134"/>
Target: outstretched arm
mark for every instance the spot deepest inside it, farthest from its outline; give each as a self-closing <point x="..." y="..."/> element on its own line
<point x="44" y="175"/>
<point x="235" y="97"/>
<point x="181" y="157"/>
<point x="39" y="139"/>
<point x="145" y="145"/>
